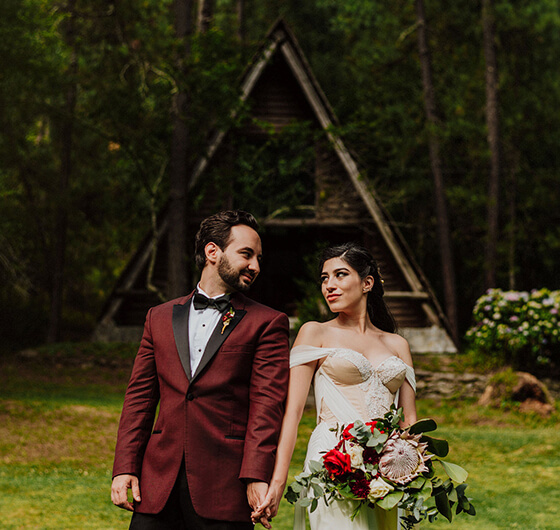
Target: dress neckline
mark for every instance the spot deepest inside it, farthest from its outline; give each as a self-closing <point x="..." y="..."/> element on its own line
<point x="375" y="369"/>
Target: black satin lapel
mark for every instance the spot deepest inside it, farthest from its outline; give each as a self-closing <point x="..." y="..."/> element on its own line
<point x="217" y="339"/>
<point x="181" y="333"/>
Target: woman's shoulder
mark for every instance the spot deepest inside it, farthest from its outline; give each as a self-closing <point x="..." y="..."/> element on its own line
<point x="311" y="334"/>
<point x="399" y="345"/>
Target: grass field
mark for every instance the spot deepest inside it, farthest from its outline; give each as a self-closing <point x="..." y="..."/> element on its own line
<point x="58" y="422"/>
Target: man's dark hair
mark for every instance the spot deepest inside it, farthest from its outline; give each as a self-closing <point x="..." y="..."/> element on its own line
<point x="217" y="229"/>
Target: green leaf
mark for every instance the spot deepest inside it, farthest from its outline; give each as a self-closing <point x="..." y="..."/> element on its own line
<point x="426" y="491"/>
<point x="454" y="472"/>
<point x="452" y="495"/>
<point x="417" y="483"/>
<point x="442" y="504"/>
<point x="305" y="502"/>
<point x="314" y="504"/>
<point x="295" y="487"/>
<point x="425" y="425"/>
<point x="318" y="490"/>
<point x="315" y="466"/>
<point x="390" y="500"/>
<point x="436" y="446"/>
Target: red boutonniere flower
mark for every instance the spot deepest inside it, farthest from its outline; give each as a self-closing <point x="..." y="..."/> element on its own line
<point x="226" y="319"/>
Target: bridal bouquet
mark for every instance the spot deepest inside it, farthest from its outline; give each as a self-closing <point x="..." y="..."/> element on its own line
<point x="379" y="464"/>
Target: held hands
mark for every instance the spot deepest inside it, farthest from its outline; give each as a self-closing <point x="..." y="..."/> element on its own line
<point x="267" y="509"/>
<point x="119" y="491"/>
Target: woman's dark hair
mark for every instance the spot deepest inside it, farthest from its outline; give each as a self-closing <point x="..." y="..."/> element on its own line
<point x="361" y="260"/>
<point x="217" y="229"/>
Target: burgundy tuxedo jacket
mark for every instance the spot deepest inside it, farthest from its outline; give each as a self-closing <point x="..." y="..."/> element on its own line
<point x="223" y="422"/>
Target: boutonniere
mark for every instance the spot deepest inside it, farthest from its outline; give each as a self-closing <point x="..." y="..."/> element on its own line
<point x="226" y="319"/>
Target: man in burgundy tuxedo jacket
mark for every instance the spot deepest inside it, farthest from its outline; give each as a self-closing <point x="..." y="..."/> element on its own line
<point x="218" y="369"/>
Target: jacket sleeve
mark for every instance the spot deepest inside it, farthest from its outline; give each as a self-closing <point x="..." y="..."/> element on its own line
<point x="267" y="394"/>
<point x="139" y="408"/>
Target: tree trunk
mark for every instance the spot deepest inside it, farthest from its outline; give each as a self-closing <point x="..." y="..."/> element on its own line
<point x="205" y="15"/>
<point x="512" y="243"/>
<point x="241" y="21"/>
<point x="492" y="123"/>
<point x="61" y="221"/>
<point x="444" y="233"/>
<point x="177" y="265"/>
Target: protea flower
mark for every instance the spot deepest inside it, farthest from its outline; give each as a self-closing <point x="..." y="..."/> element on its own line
<point x="403" y="458"/>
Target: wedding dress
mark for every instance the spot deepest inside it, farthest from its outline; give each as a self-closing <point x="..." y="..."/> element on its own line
<point x="347" y="388"/>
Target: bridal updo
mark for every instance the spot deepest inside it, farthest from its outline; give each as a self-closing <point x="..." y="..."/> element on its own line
<point x="361" y="260"/>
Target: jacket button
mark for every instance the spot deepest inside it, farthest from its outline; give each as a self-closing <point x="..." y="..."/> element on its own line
<point x="190" y="397"/>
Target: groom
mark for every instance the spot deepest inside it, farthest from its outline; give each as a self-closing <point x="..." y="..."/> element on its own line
<point x="216" y="363"/>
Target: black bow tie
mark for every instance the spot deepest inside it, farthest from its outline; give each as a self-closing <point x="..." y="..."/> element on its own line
<point x="202" y="302"/>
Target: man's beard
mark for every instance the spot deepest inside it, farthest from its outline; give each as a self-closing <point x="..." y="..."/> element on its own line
<point x="232" y="278"/>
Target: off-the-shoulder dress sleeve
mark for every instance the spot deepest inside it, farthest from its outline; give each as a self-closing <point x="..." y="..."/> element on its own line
<point x="411" y="377"/>
<point x="304" y="354"/>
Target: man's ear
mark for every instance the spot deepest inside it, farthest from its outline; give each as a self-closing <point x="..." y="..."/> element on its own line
<point x="212" y="252"/>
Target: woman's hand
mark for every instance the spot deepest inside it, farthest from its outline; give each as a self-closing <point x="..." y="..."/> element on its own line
<point x="269" y="507"/>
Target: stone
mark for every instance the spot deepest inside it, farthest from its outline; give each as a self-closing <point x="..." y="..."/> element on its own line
<point x="527" y="389"/>
<point x="534" y="405"/>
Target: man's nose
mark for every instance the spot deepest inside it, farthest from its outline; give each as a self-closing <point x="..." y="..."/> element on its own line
<point x="254" y="265"/>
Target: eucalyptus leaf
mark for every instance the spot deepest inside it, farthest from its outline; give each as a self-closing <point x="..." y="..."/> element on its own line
<point x="318" y="490"/>
<point x="315" y="466"/>
<point x="296" y="487"/>
<point x="304" y="502"/>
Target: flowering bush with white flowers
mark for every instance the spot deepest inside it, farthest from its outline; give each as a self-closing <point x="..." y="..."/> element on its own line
<point x="517" y="326"/>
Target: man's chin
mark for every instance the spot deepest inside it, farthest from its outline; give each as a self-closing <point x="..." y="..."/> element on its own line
<point x="244" y="285"/>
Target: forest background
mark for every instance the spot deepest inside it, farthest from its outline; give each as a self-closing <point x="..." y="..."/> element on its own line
<point x="93" y="94"/>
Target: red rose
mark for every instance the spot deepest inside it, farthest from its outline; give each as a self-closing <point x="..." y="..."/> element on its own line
<point x="346" y="433"/>
<point x="336" y="463"/>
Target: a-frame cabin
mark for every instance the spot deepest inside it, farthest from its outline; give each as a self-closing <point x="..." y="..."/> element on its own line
<point x="333" y="203"/>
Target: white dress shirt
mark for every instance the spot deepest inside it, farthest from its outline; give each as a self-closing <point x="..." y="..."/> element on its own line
<point x="202" y="323"/>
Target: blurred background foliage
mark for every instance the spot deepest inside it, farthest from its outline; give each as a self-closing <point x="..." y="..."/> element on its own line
<point x="109" y="70"/>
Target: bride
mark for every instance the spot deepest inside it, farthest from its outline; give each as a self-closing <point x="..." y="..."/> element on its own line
<point x="359" y="367"/>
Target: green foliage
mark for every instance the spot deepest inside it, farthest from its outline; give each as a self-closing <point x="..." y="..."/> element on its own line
<point x="346" y="473"/>
<point x="520" y="328"/>
<point x="364" y="54"/>
<point x="311" y="305"/>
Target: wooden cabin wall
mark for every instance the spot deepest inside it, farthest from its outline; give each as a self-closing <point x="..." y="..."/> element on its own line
<point x="335" y="196"/>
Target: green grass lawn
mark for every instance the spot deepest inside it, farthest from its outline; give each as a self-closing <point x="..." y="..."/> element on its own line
<point x="57" y="435"/>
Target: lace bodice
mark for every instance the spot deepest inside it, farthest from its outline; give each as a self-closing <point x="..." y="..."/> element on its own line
<point x="368" y="390"/>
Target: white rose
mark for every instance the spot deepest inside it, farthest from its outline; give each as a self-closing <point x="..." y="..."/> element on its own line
<point x="378" y="488"/>
<point x="356" y="455"/>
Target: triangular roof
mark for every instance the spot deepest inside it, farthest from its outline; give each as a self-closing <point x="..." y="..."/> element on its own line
<point x="280" y="41"/>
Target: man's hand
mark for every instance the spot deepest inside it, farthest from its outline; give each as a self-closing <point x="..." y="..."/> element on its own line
<point x="119" y="491"/>
<point x="256" y="493"/>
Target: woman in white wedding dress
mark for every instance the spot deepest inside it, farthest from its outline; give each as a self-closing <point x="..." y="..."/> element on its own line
<point x="359" y="366"/>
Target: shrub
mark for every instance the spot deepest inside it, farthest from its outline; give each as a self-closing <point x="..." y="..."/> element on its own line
<point x="517" y="327"/>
